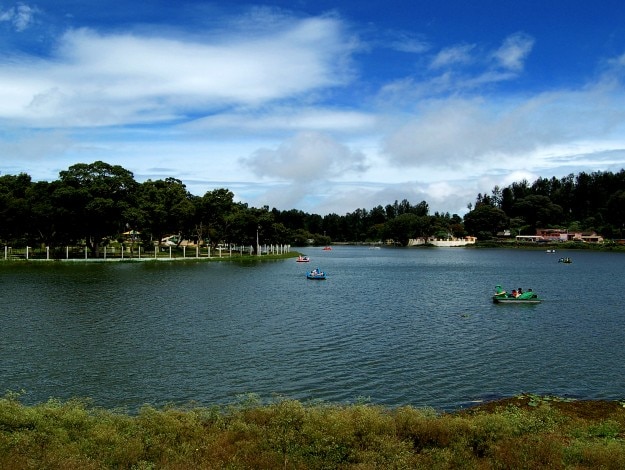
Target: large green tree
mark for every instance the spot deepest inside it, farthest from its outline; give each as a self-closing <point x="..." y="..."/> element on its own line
<point x="402" y="228"/>
<point x="14" y="208"/>
<point x="97" y="197"/>
<point x="213" y="211"/>
<point x="165" y="208"/>
<point x="485" y="221"/>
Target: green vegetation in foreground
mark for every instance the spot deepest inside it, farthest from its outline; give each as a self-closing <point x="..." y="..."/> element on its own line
<point x="522" y="432"/>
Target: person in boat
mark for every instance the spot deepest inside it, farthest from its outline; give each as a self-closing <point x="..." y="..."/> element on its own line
<point x="519" y="292"/>
<point x="514" y="293"/>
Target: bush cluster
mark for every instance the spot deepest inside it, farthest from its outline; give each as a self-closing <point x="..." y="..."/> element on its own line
<point x="527" y="432"/>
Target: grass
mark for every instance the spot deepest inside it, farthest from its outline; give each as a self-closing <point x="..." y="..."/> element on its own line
<point x="521" y="432"/>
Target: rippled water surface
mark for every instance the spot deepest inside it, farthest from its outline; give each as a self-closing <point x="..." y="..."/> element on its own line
<point x="395" y="326"/>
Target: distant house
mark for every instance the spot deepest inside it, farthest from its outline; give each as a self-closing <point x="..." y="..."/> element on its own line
<point x="447" y="241"/>
<point x="590" y="238"/>
<point x="563" y="235"/>
<point x="553" y="234"/>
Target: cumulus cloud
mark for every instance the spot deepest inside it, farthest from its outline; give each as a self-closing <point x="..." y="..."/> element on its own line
<point x="308" y="156"/>
<point x="462" y="133"/>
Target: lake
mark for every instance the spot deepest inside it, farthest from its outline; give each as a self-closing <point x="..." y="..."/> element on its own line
<point x="393" y="326"/>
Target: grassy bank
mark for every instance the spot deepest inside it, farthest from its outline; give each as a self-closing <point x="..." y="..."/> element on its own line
<point x="520" y="432"/>
<point x="19" y="256"/>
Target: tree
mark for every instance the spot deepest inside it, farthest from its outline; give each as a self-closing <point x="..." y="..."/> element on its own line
<point x="242" y="226"/>
<point x="485" y="221"/>
<point x="213" y="211"/>
<point x="402" y="228"/>
<point x="539" y="211"/>
<point x="97" y="195"/>
<point x="616" y="211"/>
<point x="46" y="215"/>
<point x="14" y="209"/>
<point x="166" y="208"/>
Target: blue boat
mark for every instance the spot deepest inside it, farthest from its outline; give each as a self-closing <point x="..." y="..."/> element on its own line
<point x="316" y="274"/>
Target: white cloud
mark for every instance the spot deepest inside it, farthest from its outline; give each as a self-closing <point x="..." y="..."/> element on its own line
<point x="115" y="79"/>
<point x="279" y="119"/>
<point x="307" y="157"/>
<point x="446" y="133"/>
<point x="512" y="53"/>
<point x="460" y="133"/>
<point x="405" y="42"/>
<point x="453" y="56"/>
<point x="20" y="16"/>
<point x="461" y="68"/>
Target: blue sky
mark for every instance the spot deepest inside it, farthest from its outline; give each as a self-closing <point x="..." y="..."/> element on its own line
<point x="321" y="106"/>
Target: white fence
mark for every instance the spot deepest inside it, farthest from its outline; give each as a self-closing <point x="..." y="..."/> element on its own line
<point x="131" y="253"/>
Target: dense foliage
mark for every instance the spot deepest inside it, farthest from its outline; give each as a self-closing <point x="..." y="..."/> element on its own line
<point x="592" y="202"/>
<point x="522" y="432"/>
<point x="92" y="204"/>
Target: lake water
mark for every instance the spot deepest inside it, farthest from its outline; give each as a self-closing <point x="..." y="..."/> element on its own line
<point x="392" y="326"/>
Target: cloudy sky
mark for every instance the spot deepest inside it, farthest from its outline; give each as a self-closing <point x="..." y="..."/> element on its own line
<point x="315" y="105"/>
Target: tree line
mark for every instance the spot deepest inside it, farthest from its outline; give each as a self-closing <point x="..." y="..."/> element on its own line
<point x="586" y="202"/>
<point x="95" y="203"/>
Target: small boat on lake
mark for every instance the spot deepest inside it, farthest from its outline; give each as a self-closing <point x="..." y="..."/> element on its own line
<point x="502" y="297"/>
<point x="302" y="259"/>
<point x="565" y="260"/>
<point x="327" y="248"/>
<point x="316" y="274"/>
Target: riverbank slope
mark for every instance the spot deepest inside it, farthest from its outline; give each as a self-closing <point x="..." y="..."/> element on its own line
<point x="526" y="431"/>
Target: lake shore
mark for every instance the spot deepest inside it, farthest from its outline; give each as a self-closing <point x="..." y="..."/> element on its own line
<point x="526" y="431"/>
